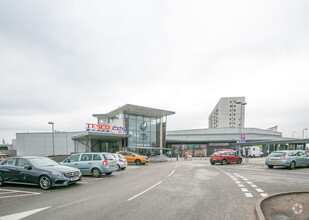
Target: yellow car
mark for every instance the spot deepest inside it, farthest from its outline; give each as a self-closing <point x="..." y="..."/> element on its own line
<point x="133" y="157"/>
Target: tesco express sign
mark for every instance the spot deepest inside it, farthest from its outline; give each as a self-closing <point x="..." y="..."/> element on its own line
<point x="105" y="128"/>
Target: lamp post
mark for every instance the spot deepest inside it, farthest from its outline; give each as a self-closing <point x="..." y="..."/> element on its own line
<point x="241" y="121"/>
<point x="304" y="132"/>
<point x="53" y="139"/>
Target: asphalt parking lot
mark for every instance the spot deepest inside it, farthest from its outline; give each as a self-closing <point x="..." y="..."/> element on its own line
<point x="195" y="185"/>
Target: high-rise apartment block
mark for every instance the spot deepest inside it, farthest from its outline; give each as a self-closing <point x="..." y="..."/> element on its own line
<point x="228" y="113"/>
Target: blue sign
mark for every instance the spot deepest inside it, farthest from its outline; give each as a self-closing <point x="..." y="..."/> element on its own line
<point x="243" y="138"/>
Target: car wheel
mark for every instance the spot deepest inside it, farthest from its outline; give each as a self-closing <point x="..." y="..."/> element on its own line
<point x="270" y="166"/>
<point x="212" y="163"/>
<point x="96" y="172"/>
<point x="292" y="165"/>
<point x="1" y="181"/>
<point x="239" y="161"/>
<point x="119" y="168"/>
<point x="224" y="162"/>
<point x="123" y="168"/>
<point x="45" y="182"/>
<point x="107" y="174"/>
<point x="138" y="162"/>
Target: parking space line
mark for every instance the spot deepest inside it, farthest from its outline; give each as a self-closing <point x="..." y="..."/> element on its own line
<point x="22" y="215"/>
<point x="144" y="191"/>
<point x="21" y="193"/>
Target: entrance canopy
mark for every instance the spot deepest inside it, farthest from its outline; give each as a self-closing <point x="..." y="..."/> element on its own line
<point x="100" y="136"/>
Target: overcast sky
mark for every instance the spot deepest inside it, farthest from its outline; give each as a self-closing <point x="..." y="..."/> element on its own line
<point x="63" y="61"/>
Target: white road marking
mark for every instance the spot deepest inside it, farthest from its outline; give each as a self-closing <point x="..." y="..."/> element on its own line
<point x="259" y="190"/>
<point x="144" y="191"/>
<point x="22" y="215"/>
<point x="24" y="193"/>
<point x="245" y="190"/>
<point x="171" y="173"/>
<point x="248" y="195"/>
<point x="19" y="191"/>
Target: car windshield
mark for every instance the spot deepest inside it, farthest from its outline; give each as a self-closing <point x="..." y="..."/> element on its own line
<point x="217" y="153"/>
<point x="42" y="162"/>
<point x="277" y="154"/>
<point x="109" y="157"/>
<point x="120" y="156"/>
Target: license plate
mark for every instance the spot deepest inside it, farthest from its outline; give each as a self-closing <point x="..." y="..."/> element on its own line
<point x="214" y="159"/>
<point x="274" y="160"/>
<point x="74" y="178"/>
<point x="112" y="166"/>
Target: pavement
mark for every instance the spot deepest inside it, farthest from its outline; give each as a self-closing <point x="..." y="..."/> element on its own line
<point x="283" y="206"/>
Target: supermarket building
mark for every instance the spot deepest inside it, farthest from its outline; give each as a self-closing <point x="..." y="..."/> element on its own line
<point x="129" y="127"/>
<point x="143" y="130"/>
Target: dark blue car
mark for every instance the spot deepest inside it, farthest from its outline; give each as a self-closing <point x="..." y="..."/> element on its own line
<point x="34" y="170"/>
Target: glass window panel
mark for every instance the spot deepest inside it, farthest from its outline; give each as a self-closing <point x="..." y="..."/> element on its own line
<point x="132" y="117"/>
<point x="132" y="125"/>
<point x="147" y="119"/>
<point x="103" y="121"/>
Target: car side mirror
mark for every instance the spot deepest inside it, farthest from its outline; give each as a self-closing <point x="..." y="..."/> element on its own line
<point x="133" y="155"/>
<point x="28" y="167"/>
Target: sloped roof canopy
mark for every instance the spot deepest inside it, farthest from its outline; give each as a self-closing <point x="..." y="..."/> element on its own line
<point x="136" y="110"/>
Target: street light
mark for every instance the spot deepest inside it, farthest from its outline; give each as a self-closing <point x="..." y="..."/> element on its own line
<point x="53" y="139"/>
<point x="241" y="121"/>
<point x="304" y="132"/>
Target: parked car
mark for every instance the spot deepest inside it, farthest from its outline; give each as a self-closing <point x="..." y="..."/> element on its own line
<point x="289" y="159"/>
<point x="225" y="157"/>
<point x="134" y="157"/>
<point x="92" y="163"/>
<point x="223" y="150"/>
<point x="34" y="170"/>
<point x="121" y="161"/>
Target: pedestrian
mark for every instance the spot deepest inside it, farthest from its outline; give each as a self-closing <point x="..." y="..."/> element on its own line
<point x="186" y="156"/>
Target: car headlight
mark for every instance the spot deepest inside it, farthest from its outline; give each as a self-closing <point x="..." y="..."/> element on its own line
<point x="58" y="174"/>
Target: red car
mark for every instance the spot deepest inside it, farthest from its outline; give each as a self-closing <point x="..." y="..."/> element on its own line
<point x="225" y="157"/>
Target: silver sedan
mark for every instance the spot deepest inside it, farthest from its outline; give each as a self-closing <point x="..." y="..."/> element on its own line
<point x="290" y="159"/>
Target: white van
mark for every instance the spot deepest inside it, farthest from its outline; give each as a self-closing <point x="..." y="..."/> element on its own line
<point x="252" y="152"/>
<point x="255" y="152"/>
